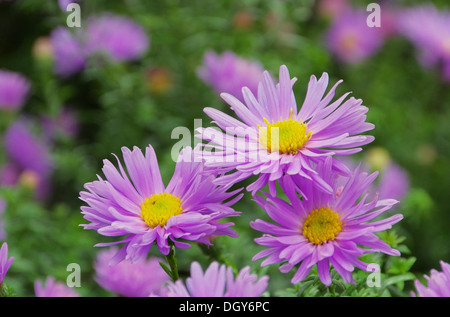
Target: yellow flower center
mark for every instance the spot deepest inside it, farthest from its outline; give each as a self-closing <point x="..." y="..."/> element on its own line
<point x="321" y="225"/>
<point x="286" y="137"/>
<point x="158" y="209"/>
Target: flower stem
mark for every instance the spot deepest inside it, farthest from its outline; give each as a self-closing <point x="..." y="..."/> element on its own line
<point x="172" y="270"/>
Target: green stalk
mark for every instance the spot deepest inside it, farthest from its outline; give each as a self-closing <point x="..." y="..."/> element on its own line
<point x="172" y="269"/>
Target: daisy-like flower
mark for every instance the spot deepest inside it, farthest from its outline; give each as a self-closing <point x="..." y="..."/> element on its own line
<point x="67" y="52"/>
<point x="275" y="138"/>
<point x="429" y="30"/>
<point x="52" y="288"/>
<point x="129" y="279"/>
<point x="228" y="73"/>
<point x="217" y="281"/>
<point x="14" y="89"/>
<point x="5" y="262"/>
<point x="350" y="39"/>
<point x="438" y="283"/>
<point x="326" y="229"/>
<point x="120" y="38"/>
<point x="145" y="211"/>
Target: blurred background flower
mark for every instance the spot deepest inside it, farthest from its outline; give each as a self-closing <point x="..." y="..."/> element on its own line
<point x="437" y="284"/>
<point x="64" y="125"/>
<point x="228" y="73"/>
<point x="29" y="160"/>
<point x="129" y="279"/>
<point x="52" y="288"/>
<point x="117" y="37"/>
<point x="68" y="54"/>
<point x="350" y="39"/>
<point x="428" y="29"/>
<point x="14" y="89"/>
<point x="217" y="280"/>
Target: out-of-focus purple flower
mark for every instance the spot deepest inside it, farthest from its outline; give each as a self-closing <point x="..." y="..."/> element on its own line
<point x="326" y="229"/>
<point x="65" y="124"/>
<point x="26" y="149"/>
<point x="28" y="156"/>
<point x="64" y="3"/>
<point x="350" y="39"/>
<point x="5" y="262"/>
<point x="229" y="73"/>
<point x="14" y="89"/>
<point x="2" y="209"/>
<point x="52" y="288"/>
<point x="394" y="182"/>
<point x="275" y="138"/>
<point x="138" y="208"/>
<point x="438" y="283"/>
<point x="120" y="38"/>
<point x="217" y="281"/>
<point x="429" y="31"/>
<point x="68" y="53"/>
<point x="129" y="279"/>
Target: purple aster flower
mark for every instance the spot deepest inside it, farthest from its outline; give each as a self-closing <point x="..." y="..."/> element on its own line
<point x="29" y="157"/>
<point x="129" y="279"/>
<point x="5" y="262"/>
<point x="52" y="288"/>
<point x="217" y="281"/>
<point x="327" y="228"/>
<point x="2" y="209"/>
<point x="274" y="138"/>
<point x="228" y="73"/>
<point x="68" y="54"/>
<point x="145" y="211"/>
<point x="14" y="89"/>
<point x="350" y="39"/>
<point x="429" y="30"/>
<point x="118" y="37"/>
<point x="438" y="283"/>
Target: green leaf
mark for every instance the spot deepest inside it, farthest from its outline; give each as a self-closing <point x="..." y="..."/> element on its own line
<point x="397" y="279"/>
<point x="166" y="269"/>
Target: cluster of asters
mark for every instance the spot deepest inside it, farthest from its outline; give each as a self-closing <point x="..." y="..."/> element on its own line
<point x="323" y="217"/>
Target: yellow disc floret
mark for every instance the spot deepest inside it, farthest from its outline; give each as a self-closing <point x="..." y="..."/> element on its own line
<point x="321" y="225"/>
<point x="158" y="209"/>
<point x="286" y="137"/>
